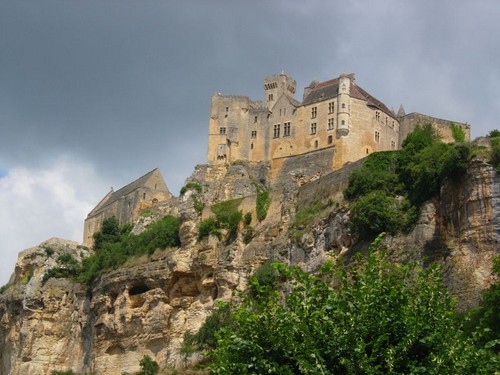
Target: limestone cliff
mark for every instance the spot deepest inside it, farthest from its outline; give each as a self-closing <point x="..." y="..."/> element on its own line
<point x="146" y="306"/>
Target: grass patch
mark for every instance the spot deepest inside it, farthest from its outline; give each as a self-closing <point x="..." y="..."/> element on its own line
<point x="306" y="217"/>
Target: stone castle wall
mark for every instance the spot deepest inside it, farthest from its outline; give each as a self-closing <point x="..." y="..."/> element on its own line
<point x="344" y="119"/>
<point x="442" y="127"/>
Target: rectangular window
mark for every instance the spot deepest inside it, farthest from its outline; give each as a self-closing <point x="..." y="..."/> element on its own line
<point x="377" y="136"/>
<point x="330" y="124"/>
<point x="286" y="129"/>
<point x="222" y="131"/>
<point x="254" y="133"/>
<point x="270" y="97"/>
<point x="277" y="131"/>
<point x="313" y="128"/>
<point x="331" y="107"/>
<point x="393" y="145"/>
<point x="255" y="119"/>
<point x="314" y="112"/>
<point x="330" y="139"/>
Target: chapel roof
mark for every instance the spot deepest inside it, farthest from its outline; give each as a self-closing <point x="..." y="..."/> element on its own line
<point x="113" y="196"/>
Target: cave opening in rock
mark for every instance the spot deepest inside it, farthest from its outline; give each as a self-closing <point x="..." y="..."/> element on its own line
<point x="138" y="289"/>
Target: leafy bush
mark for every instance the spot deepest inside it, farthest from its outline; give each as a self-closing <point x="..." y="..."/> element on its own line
<point x="67" y="259"/>
<point x="391" y="186"/>
<point x="227" y="216"/>
<point x="114" y="245"/>
<point x="110" y="233"/>
<point x="374" y="318"/>
<point x="495" y="149"/>
<point x="494" y="133"/>
<point x="379" y="172"/>
<point x="247" y="219"/>
<point x="206" y="338"/>
<point x="423" y="171"/>
<point x="421" y="137"/>
<point x="262" y="204"/>
<point x="378" y="212"/>
<point x="69" y="372"/>
<point x="264" y="280"/>
<point x="191" y="186"/>
<point x="148" y="366"/>
<point x="484" y="320"/>
<point x="4" y="288"/>
<point x="48" y="251"/>
<point x="208" y="227"/>
<point x="457" y="133"/>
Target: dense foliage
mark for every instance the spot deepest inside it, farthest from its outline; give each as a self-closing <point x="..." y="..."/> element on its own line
<point x="113" y="245"/>
<point x="148" y="366"/>
<point x="375" y="318"/>
<point x="262" y="204"/>
<point x="484" y="320"/>
<point x="378" y="212"/>
<point x="390" y="186"/>
<point x="495" y="148"/>
<point x="227" y="218"/>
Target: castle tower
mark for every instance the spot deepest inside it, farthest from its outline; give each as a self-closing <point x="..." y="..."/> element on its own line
<point x="343" y="112"/>
<point x="277" y="85"/>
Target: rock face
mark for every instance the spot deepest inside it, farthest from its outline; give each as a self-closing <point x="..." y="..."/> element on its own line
<point x="145" y="307"/>
<point x="42" y="324"/>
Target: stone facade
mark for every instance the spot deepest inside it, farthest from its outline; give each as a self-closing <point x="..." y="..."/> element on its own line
<point x="126" y="203"/>
<point x="336" y="114"/>
<point x="441" y="127"/>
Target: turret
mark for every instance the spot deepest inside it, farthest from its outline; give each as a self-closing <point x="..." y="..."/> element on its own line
<point x="344" y="96"/>
<point x="276" y="86"/>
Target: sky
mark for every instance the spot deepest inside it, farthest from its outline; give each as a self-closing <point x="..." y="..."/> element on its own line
<point x="96" y="93"/>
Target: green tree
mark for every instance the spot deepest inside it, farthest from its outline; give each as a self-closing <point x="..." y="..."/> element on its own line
<point x="148" y="366"/>
<point x="372" y="318"/>
<point x="495" y="148"/>
<point x="378" y="212"/>
<point x="379" y="172"/>
<point x="484" y="321"/>
<point x="109" y="233"/>
<point x="457" y="133"/>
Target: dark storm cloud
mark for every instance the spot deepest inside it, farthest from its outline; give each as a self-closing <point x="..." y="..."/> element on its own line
<point x="124" y="85"/>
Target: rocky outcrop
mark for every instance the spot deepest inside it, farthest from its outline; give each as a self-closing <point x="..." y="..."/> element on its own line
<point x="43" y="323"/>
<point x="145" y="307"/>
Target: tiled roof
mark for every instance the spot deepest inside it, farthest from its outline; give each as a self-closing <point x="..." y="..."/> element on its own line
<point x="329" y="89"/>
<point x="322" y="91"/>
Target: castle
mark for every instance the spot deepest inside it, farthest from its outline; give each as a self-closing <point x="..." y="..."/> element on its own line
<point x="336" y="118"/>
<point x="337" y="122"/>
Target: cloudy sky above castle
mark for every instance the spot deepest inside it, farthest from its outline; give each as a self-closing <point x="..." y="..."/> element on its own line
<point x="95" y="93"/>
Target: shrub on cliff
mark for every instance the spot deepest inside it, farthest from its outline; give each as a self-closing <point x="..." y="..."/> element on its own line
<point x="379" y="212"/>
<point x="495" y="148"/>
<point x="373" y="318"/>
<point x="227" y="217"/>
<point x="148" y="366"/>
<point x="115" y="244"/>
<point x="391" y="186"/>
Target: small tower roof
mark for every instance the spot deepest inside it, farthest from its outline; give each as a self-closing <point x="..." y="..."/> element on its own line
<point x="401" y="111"/>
